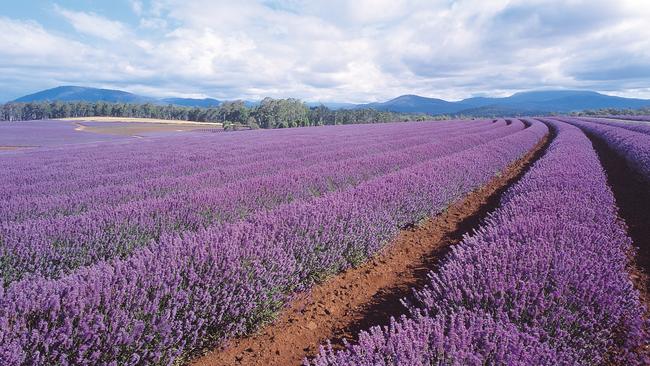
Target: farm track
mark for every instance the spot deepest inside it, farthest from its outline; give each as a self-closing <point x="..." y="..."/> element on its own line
<point x="633" y="199"/>
<point x="370" y="294"/>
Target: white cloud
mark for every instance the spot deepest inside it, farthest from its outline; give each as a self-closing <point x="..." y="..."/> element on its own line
<point x="153" y="23"/>
<point x="353" y="51"/>
<point x="137" y="7"/>
<point x="32" y="58"/>
<point x="25" y="41"/>
<point x="93" y="24"/>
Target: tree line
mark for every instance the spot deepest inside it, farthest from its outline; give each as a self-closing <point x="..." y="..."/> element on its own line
<point x="644" y="111"/>
<point x="269" y="113"/>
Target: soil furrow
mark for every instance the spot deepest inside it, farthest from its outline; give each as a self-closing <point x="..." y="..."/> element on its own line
<point x="370" y="294"/>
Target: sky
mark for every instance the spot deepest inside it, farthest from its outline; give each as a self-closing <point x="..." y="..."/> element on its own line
<point x="329" y="51"/>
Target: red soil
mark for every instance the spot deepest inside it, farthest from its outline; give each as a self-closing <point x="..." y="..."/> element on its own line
<point x="369" y="294"/>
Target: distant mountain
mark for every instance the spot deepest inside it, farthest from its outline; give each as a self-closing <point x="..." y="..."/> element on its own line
<point x="559" y="101"/>
<point x="191" y="102"/>
<point x="85" y="94"/>
<point x="332" y="105"/>
<point x="524" y="103"/>
<point x="414" y="104"/>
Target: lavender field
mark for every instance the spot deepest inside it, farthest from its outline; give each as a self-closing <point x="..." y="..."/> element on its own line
<point x="45" y="133"/>
<point x="117" y="250"/>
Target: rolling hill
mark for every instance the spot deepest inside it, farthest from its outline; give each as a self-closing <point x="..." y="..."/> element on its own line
<point x="192" y="102"/>
<point x="70" y="93"/>
<point x="84" y="94"/>
<point x="415" y="104"/>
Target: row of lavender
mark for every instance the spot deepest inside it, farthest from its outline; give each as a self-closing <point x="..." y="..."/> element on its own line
<point x="52" y="172"/>
<point x="46" y="171"/>
<point x="542" y="282"/>
<point x="629" y="118"/>
<point x="642" y="127"/>
<point x="633" y="146"/>
<point x="190" y="290"/>
<point x="47" y="133"/>
<point x="53" y="246"/>
<point x="213" y="171"/>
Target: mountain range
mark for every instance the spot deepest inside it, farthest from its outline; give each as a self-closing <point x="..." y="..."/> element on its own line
<point x="523" y="103"/>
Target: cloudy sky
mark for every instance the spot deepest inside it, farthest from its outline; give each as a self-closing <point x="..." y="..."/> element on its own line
<point x="329" y="50"/>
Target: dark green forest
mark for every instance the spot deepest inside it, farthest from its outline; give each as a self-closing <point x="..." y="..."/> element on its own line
<point x="614" y="112"/>
<point x="269" y="113"/>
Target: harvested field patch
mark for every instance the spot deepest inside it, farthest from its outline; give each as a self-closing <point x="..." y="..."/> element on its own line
<point x="136" y="128"/>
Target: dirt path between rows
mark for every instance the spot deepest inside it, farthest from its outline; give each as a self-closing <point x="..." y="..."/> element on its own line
<point x="370" y="294"/>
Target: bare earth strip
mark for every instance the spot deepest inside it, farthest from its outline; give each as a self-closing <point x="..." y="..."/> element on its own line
<point x="370" y="294"/>
<point x="131" y="126"/>
<point x="135" y="128"/>
<point x="142" y="120"/>
<point x="6" y="148"/>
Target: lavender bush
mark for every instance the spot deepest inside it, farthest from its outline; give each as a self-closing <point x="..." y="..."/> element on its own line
<point x="630" y="118"/>
<point x="633" y="146"/>
<point x="625" y="123"/>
